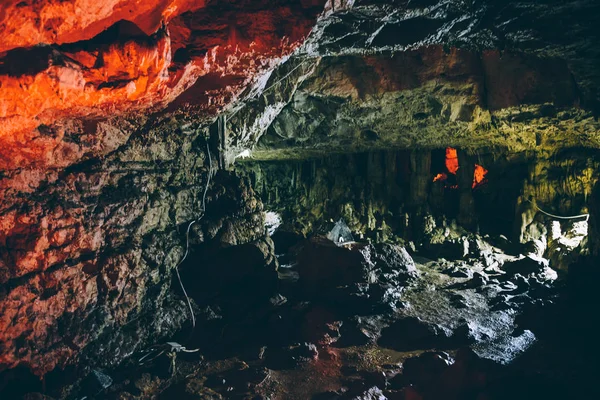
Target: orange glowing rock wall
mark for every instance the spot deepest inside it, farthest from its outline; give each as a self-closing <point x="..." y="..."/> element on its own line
<point x="479" y="175"/>
<point x="111" y="58"/>
<point x="451" y="160"/>
<point x="28" y="23"/>
<point x="452" y="166"/>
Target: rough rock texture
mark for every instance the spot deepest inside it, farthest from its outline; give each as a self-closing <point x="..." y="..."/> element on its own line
<point x="428" y="97"/>
<point x="361" y="188"/>
<point x="123" y="59"/>
<point x="380" y="192"/>
<point x="594" y="226"/>
<point x="436" y="73"/>
<point x="91" y="249"/>
<point x="324" y="266"/>
<point x="103" y="106"/>
<point x="28" y="23"/>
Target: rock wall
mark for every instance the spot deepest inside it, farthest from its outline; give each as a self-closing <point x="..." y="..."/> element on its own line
<point x="105" y="106"/>
<point x="386" y="193"/>
<point x="425" y="98"/>
<point x="432" y="74"/>
<point x="362" y="188"/>
<point x="75" y="75"/>
<point x="103" y="160"/>
<point x="594" y="226"/>
<point x="87" y="253"/>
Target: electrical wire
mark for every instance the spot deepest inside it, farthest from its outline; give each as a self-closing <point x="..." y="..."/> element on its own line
<point x="586" y="216"/>
<point x="285" y="76"/>
<point x="187" y="240"/>
<point x="187" y="298"/>
<point x="172" y="346"/>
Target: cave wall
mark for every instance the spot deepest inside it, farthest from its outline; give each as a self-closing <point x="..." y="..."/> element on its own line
<point x="433" y="74"/>
<point x="105" y="104"/>
<point x="387" y="193"/>
<point x="105" y="108"/>
<point x="429" y="98"/>
<point x="77" y="77"/>
<point x="594" y="226"/>
<point x="87" y="253"/>
<point x="362" y="188"/>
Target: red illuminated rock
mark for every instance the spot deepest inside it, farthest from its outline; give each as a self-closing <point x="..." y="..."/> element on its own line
<point x="77" y="79"/>
<point x="451" y="160"/>
<point x="452" y="167"/>
<point x="207" y="52"/>
<point x="31" y="22"/>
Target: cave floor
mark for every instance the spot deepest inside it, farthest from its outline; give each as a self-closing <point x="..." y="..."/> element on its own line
<point x="460" y="329"/>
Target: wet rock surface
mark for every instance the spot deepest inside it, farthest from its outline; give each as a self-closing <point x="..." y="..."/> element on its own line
<point x="448" y="340"/>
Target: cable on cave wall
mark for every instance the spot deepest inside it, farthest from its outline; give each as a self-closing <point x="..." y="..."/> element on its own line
<point x="586" y="216"/>
<point x="174" y="347"/>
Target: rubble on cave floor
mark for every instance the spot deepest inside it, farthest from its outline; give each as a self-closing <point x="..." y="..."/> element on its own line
<point x="363" y="321"/>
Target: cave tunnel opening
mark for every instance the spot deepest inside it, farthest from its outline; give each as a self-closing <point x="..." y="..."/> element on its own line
<point x="382" y="197"/>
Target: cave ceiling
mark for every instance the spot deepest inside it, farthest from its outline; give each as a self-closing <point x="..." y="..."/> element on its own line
<point x="295" y="78"/>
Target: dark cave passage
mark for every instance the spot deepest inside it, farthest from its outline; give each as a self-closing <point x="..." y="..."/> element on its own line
<point x="376" y="195"/>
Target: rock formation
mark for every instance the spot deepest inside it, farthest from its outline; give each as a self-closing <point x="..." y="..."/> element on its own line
<point x="105" y="108"/>
<point x="125" y="128"/>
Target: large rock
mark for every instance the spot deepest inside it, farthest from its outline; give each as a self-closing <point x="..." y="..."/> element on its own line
<point x="373" y="393"/>
<point x="236" y="278"/>
<point x="323" y="265"/>
<point x="361" y="330"/>
<point x="395" y="262"/>
<point x="530" y="264"/>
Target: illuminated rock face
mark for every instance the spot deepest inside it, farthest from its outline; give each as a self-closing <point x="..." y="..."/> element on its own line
<point x="87" y="256"/>
<point x="97" y="173"/>
<point x="425" y="98"/>
<point x="28" y="23"/>
<point x="112" y="58"/>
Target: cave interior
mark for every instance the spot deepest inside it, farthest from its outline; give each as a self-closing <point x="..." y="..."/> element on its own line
<point x="299" y="199"/>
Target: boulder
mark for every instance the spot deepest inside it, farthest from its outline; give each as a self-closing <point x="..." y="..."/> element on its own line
<point x="386" y="298"/>
<point x="350" y="299"/>
<point x="360" y="330"/>
<point x="373" y="393"/>
<point x="395" y="260"/>
<point x="247" y="271"/>
<point x="323" y="265"/>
